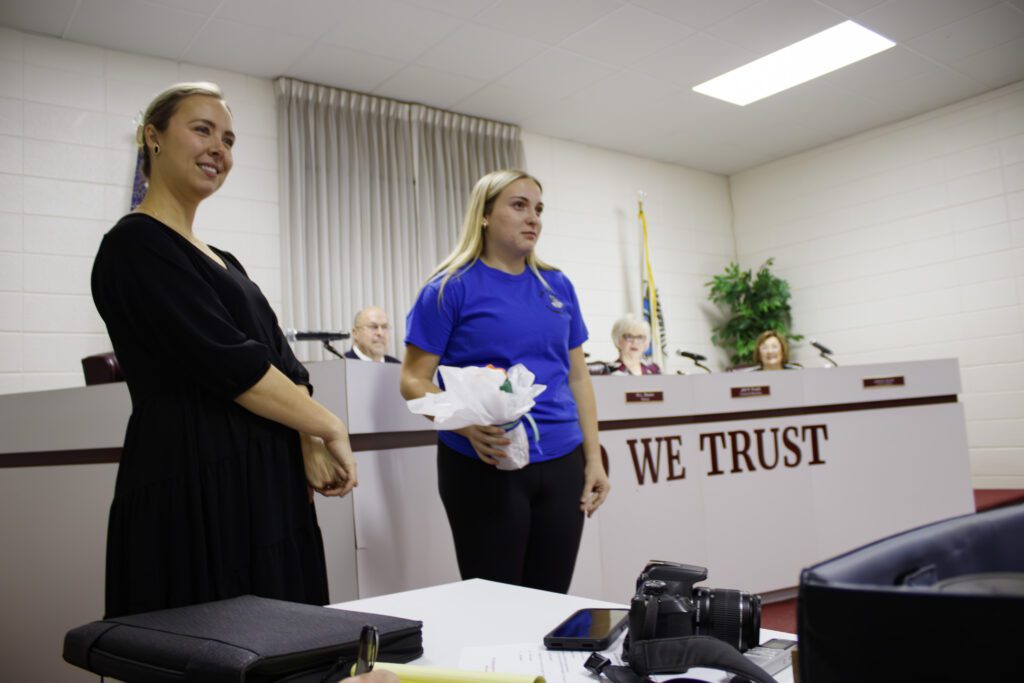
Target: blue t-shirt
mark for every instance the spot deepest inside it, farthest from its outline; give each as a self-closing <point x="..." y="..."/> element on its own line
<point x="490" y="316"/>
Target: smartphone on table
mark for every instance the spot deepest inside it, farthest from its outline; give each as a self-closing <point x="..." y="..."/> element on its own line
<point x="593" y="628"/>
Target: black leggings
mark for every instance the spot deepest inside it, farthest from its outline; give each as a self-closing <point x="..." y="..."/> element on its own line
<point x="521" y="527"/>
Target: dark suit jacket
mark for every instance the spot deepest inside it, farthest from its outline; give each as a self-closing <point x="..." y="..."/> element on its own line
<point x="387" y="359"/>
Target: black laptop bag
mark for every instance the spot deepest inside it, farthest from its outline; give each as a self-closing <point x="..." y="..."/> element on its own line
<point x="247" y="639"/>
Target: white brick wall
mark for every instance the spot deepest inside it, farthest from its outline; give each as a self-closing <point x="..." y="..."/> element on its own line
<point x="67" y="159"/>
<point x="591" y="231"/>
<point x="908" y="242"/>
<point x="904" y="242"/>
<point x="66" y="164"/>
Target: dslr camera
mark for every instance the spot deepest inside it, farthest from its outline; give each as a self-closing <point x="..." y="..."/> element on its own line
<point x="666" y="605"/>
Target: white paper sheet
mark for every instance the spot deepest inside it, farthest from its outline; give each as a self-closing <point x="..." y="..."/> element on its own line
<point x="557" y="666"/>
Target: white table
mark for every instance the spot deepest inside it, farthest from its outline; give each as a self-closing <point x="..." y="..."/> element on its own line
<point x="478" y="613"/>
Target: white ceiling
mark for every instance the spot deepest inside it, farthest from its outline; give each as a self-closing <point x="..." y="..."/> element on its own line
<point x="611" y="73"/>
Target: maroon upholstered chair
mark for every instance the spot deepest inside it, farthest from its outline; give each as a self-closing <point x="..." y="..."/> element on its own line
<point x="102" y="368"/>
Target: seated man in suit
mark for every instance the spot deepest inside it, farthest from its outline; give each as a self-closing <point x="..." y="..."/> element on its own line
<point x="370" y="335"/>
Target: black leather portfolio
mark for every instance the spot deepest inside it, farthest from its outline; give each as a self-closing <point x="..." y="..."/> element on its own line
<point x="246" y="639"/>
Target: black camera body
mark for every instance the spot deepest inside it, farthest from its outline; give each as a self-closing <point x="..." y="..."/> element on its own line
<point x="667" y="605"/>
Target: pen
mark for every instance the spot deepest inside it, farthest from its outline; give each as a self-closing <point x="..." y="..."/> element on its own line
<point x="369" y="642"/>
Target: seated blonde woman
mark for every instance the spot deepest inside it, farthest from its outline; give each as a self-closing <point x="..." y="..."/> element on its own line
<point x="771" y="352"/>
<point x="631" y="336"/>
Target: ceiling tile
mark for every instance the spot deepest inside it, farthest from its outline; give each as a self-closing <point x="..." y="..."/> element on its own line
<point x="696" y="59"/>
<point x="628" y="139"/>
<point x="626" y="36"/>
<point x="136" y="27"/>
<point x="205" y="7"/>
<point x="502" y="103"/>
<point x="427" y="86"/>
<point x="999" y="66"/>
<point x="563" y="119"/>
<point x="977" y="33"/>
<point x="479" y="52"/>
<point x="780" y="139"/>
<point x="458" y="8"/>
<point x="895" y="64"/>
<point x="306" y="18"/>
<point x="622" y="100"/>
<point x="390" y="29"/>
<point x="341" y="67"/>
<point x="619" y="78"/>
<point x="928" y="90"/>
<point x="47" y="18"/>
<point x="824" y="110"/>
<point x="622" y="93"/>
<point x="714" y="156"/>
<point x="543" y="20"/>
<point x="556" y="73"/>
<point x="702" y="115"/>
<point x="774" y="24"/>
<point x="867" y="116"/>
<point x="698" y="15"/>
<point x="247" y="49"/>
<point x="851" y="8"/>
<point x="653" y="121"/>
<point x="809" y="102"/>
<point x="903" y="20"/>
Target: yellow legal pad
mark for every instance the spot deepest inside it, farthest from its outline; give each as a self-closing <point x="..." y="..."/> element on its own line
<point x="428" y="674"/>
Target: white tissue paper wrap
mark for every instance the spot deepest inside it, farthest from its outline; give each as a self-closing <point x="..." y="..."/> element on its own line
<point x="473" y="396"/>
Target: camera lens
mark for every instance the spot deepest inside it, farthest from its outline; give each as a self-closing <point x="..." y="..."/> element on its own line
<point x="730" y="615"/>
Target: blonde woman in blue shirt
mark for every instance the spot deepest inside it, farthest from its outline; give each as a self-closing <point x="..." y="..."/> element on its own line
<point x="492" y="301"/>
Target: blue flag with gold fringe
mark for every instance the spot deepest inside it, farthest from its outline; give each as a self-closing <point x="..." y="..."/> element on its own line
<point x="657" y="349"/>
<point x="139" y="184"/>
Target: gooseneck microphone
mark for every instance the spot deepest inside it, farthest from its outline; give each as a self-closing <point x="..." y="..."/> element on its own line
<point x="696" y="358"/>
<point x="825" y="352"/>
<point x="293" y="335"/>
<point x="324" y="338"/>
<point x="821" y="347"/>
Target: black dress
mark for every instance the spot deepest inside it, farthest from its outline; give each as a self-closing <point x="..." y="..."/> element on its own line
<point x="210" y="500"/>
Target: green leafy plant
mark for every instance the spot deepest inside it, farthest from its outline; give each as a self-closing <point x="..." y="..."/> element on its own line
<point x="752" y="303"/>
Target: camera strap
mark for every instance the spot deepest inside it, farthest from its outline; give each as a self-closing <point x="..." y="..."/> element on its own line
<point x="678" y="655"/>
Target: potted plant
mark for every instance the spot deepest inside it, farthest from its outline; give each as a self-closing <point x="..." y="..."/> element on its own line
<point x="752" y="303"/>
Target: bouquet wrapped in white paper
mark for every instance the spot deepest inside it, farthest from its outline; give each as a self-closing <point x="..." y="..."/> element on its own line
<point x="485" y="396"/>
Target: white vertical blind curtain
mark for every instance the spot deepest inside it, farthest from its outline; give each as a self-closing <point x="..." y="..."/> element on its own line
<point x="453" y="152"/>
<point x="372" y="196"/>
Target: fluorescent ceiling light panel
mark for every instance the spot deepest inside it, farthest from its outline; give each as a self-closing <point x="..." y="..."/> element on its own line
<point x="798" y="63"/>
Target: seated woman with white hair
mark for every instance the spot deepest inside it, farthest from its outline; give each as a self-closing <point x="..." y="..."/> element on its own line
<point x="631" y="336"/>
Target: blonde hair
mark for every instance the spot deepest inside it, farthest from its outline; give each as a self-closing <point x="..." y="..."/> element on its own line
<point x="766" y="335"/>
<point x="162" y="108"/>
<point x="626" y="323"/>
<point x="471" y="239"/>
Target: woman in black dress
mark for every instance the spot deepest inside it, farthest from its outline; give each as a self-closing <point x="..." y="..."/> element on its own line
<point x="225" y="445"/>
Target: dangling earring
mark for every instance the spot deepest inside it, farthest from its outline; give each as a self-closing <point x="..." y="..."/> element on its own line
<point x="156" y="150"/>
<point x="485" y="225"/>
